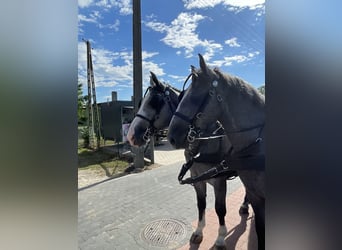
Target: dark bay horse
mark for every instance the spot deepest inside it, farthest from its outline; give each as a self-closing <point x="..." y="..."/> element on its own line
<point x="157" y="108"/>
<point x="214" y="96"/>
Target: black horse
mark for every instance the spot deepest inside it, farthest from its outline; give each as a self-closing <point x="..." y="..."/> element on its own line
<point x="157" y="108"/>
<point x="214" y="96"/>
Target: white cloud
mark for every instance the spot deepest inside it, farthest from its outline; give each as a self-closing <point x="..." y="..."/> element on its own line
<point x="83" y="18"/>
<point x="229" y="60"/>
<point x="177" y="78"/>
<point x="104" y="3"/>
<point x="233" y="4"/>
<point x="232" y="42"/>
<point x="84" y="3"/>
<point x="114" y="26"/>
<point x="124" y="6"/>
<point x="145" y="54"/>
<point x="114" y="68"/>
<point x="251" y="4"/>
<point x="181" y="34"/>
<point x="200" y="4"/>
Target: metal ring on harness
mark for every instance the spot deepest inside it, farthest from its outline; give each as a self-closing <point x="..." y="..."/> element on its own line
<point x="191" y="134"/>
<point x="191" y="139"/>
<point x="199" y="115"/>
<point x="147" y="134"/>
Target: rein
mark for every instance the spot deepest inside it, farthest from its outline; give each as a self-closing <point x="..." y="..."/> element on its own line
<point x="219" y="170"/>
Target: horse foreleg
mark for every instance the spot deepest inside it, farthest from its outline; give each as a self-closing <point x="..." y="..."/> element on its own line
<point x="220" y="189"/>
<point x="258" y="205"/>
<point x="201" y="193"/>
<point x="244" y="207"/>
<point x="259" y="215"/>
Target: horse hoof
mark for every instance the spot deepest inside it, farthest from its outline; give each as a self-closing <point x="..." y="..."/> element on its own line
<point x="243" y="210"/>
<point x="196" y="239"/>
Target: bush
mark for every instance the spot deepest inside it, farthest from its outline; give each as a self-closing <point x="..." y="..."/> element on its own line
<point x="85" y="137"/>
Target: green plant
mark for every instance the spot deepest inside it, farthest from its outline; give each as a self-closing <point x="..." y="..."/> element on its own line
<point x="81" y="105"/>
<point x="85" y="136"/>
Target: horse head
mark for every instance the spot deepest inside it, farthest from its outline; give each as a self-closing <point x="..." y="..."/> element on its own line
<point x="155" y="111"/>
<point x="193" y="104"/>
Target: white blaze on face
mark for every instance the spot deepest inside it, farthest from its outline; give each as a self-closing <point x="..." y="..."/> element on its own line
<point x="135" y="122"/>
<point x="130" y="134"/>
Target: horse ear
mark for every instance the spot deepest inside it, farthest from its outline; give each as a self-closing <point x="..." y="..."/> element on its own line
<point x="193" y="70"/>
<point x="153" y="79"/>
<point x="203" y="65"/>
<point x="155" y="82"/>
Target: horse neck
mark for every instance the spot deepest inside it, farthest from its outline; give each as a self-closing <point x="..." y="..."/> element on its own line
<point x="242" y="108"/>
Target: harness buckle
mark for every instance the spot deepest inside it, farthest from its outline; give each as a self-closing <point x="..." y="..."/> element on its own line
<point x="224" y="164"/>
<point x="259" y="139"/>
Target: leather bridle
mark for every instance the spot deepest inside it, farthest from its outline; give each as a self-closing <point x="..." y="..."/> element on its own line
<point x="167" y="99"/>
<point x="194" y="132"/>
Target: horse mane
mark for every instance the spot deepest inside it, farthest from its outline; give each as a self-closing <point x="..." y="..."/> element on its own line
<point x="240" y="85"/>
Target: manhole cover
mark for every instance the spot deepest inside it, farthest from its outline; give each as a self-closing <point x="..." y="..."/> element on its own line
<point x="164" y="232"/>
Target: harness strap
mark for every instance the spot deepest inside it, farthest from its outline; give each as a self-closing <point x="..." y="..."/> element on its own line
<point x="248" y="163"/>
<point x="210" y="137"/>
<point x="247" y="129"/>
<point x="199" y="110"/>
<point x="214" y="172"/>
<point x="168" y="100"/>
<point x="247" y="159"/>
<point x="185" y="167"/>
<point x="145" y="118"/>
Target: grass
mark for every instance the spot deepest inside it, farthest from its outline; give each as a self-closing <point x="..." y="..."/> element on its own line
<point x="100" y="162"/>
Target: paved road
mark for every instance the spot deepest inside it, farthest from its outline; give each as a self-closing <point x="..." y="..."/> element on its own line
<point x="113" y="214"/>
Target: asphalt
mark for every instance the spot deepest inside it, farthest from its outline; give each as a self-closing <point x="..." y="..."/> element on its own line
<point x="118" y="213"/>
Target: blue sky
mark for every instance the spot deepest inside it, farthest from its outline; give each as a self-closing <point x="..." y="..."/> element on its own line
<point x="229" y="33"/>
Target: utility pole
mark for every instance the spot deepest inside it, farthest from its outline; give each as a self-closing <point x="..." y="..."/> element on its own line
<point x="137" y="75"/>
<point x="93" y="112"/>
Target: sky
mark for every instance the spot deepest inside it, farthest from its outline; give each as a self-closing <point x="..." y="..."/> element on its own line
<point x="230" y="34"/>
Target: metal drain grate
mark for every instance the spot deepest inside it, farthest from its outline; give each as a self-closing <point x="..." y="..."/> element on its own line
<point x="164" y="232"/>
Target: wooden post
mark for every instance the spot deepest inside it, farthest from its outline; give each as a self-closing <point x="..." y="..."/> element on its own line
<point x="137" y="75"/>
